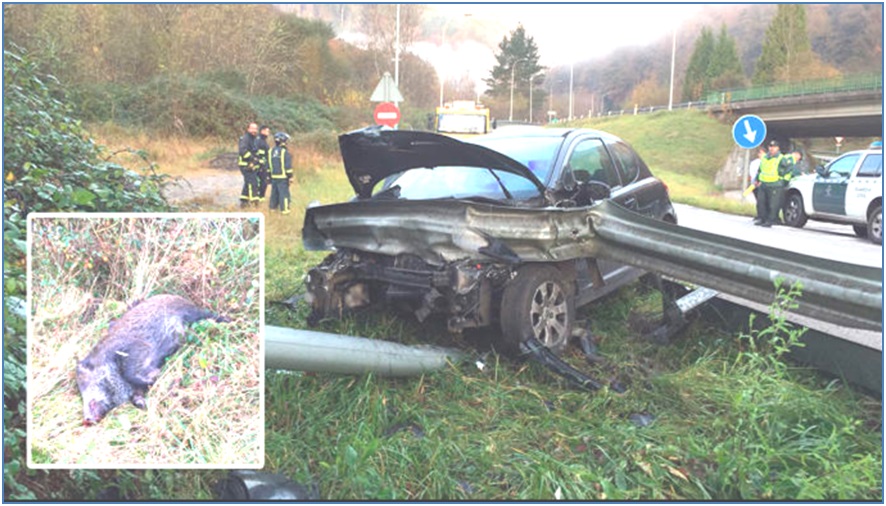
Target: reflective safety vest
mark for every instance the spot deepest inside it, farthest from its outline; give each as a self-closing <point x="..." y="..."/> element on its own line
<point x="261" y="153"/>
<point x="245" y="148"/>
<point x="769" y="169"/>
<point x="280" y="163"/>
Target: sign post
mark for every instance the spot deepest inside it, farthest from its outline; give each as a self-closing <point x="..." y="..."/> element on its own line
<point x="386" y="113"/>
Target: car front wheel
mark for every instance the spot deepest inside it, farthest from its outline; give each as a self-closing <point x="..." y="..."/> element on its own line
<point x="875" y="225"/>
<point x="538" y="303"/>
<point x="794" y="215"/>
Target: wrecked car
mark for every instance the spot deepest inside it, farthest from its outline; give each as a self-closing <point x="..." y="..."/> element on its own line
<point x="486" y="233"/>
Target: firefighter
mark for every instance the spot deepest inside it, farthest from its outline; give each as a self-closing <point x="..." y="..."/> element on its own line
<point x="261" y="150"/>
<point x="247" y="162"/>
<point x="280" y="164"/>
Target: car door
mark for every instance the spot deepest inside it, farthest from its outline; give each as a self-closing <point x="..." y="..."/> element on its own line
<point x="637" y="193"/>
<point x="863" y="185"/>
<point x="829" y="190"/>
<point x="589" y="154"/>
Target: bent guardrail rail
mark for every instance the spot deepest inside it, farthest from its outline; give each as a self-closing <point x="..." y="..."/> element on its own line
<point x="440" y="231"/>
<point x="836" y="292"/>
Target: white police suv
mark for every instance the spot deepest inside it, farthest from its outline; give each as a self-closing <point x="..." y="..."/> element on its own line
<point x="848" y="190"/>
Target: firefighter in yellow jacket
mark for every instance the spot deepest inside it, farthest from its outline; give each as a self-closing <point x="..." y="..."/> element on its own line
<point x="280" y="169"/>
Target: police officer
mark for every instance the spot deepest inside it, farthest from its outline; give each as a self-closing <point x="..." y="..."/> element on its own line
<point x="280" y="173"/>
<point x="775" y="171"/>
<point x="247" y="162"/>
<point x="261" y="152"/>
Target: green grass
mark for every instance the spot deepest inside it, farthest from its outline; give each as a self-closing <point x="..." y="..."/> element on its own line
<point x="726" y="427"/>
<point x="685" y="149"/>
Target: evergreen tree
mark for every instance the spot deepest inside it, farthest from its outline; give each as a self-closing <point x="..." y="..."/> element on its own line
<point x="698" y="73"/>
<point x="520" y="54"/>
<point x="726" y="70"/>
<point x="786" y="46"/>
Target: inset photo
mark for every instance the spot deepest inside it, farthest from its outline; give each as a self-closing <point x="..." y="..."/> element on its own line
<point x="145" y="345"/>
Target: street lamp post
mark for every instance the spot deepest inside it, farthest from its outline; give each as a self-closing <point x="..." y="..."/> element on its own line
<point x="673" y="59"/>
<point x="571" y="74"/>
<point x="513" y="68"/>
<point x="531" y="78"/>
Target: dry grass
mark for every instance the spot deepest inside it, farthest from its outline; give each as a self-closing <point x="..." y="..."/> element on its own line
<point x="206" y="407"/>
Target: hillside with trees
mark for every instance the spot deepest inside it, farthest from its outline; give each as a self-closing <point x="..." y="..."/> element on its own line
<point x="202" y="69"/>
<point x="843" y="39"/>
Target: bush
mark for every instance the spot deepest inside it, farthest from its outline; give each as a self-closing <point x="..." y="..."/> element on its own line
<point x="212" y="106"/>
<point x="49" y="164"/>
<point x="292" y="116"/>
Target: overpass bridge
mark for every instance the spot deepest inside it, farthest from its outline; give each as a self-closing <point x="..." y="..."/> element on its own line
<point x="846" y="106"/>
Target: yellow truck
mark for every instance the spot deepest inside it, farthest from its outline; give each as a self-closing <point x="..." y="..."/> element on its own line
<point x="462" y="118"/>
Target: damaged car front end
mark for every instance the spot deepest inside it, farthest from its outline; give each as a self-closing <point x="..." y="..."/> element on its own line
<point x="463" y="230"/>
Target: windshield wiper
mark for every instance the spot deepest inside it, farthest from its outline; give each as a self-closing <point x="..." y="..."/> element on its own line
<point x="502" y="185"/>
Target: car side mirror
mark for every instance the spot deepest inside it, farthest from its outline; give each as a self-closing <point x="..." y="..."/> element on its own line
<point x="821" y="171"/>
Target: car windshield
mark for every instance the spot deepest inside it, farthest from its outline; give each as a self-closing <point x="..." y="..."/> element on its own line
<point x="536" y="153"/>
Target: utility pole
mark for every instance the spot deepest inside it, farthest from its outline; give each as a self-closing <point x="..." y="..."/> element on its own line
<point x="397" y="51"/>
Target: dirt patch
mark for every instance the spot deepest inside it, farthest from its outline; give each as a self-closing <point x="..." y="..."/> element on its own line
<point x="209" y="187"/>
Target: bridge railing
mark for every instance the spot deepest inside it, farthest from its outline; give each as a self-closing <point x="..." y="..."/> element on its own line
<point x="843" y="84"/>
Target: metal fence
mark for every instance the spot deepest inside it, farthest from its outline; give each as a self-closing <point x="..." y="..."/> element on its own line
<point x="843" y="84"/>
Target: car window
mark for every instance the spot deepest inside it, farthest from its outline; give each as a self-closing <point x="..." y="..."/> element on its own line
<point x="843" y="166"/>
<point x="536" y="153"/>
<point x="628" y="162"/>
<point x="458" y="182"/>
<point x="590" y="156"/>
<point x="872" y="166"/>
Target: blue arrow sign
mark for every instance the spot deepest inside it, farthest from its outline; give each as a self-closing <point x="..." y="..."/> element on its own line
<point x="749" y="131"/>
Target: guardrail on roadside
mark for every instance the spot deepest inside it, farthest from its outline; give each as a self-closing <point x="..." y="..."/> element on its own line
<point x="835" y="292"/>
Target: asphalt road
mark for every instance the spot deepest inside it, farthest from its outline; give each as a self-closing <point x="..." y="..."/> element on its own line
<point x="826" y="240"/>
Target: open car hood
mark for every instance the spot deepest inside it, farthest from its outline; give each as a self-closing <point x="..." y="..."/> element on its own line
<point x="372" y="154"/>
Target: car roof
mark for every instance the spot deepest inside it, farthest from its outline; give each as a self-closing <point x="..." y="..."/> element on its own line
<point x="866" y="151"/>
<point x="523" y="131"/>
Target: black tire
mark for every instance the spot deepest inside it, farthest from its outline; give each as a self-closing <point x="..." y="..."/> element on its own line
<point x="794" y="215"/>
<point x="875" y="225"/>
<point x="538" y="302"/>
<point x="860" y="230"/>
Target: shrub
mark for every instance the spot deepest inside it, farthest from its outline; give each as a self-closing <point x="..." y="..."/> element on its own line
<point x="49" y="164"/>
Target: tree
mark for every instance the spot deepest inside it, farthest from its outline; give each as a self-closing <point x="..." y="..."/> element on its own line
<point x="647" y="92"/>
<point x="698" y="73"/>
<point x="787" y="54"/>
<point x="517" y="53"/>
<point x="725" y="69"/>
<point x="379" y="25"/>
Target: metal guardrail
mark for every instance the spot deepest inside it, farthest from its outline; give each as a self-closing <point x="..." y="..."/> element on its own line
<point x="846" y="84"/>
<point x="835" y="292"/>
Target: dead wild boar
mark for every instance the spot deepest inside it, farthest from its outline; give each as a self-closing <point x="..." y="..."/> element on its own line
<point x="127" y="361"/>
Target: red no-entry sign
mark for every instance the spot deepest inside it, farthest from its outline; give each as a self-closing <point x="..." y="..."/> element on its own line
<point x="388" y="114"/>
